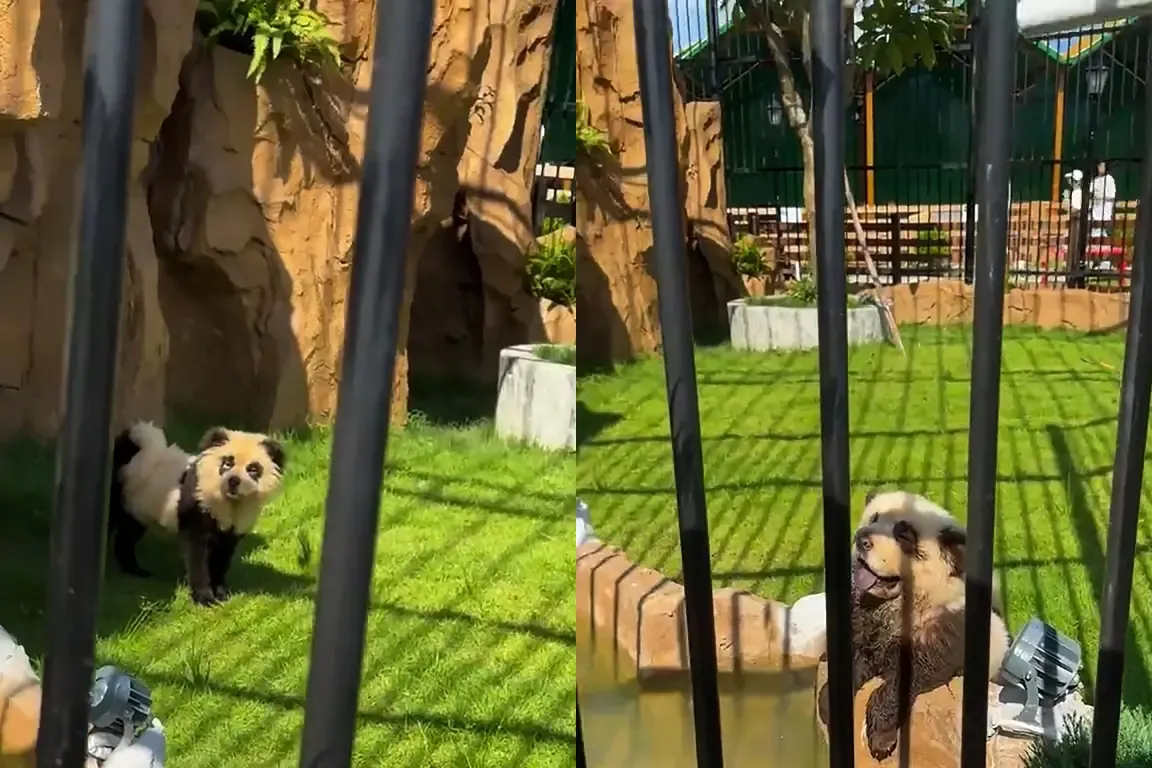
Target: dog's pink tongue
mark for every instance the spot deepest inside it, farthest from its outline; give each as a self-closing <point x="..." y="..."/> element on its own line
<point x="863" y="578"/>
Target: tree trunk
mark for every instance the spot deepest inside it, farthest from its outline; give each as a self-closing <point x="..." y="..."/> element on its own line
<point x="798" y="116"/>
<point x="808" y="149"/>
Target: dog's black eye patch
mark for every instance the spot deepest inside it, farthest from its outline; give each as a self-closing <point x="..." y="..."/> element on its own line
<point x="254" y="470"/>
<point x="227" y="463"/>
<point x="906" y="537"/>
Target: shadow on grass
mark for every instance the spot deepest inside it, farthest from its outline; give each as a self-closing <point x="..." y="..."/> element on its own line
<point x="448" y="401"/>
<point x="590" y="423"/>
<point x="711" y="335"/>
<point x="1094" y="559"/>
<point x="504" y="724"/>
<point x="594" y="368"/>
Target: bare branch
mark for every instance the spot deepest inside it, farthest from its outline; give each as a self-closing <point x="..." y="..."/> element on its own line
<point x="882" y="297"/>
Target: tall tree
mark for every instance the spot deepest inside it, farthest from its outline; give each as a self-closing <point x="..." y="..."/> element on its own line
<point x="889" y="36"/>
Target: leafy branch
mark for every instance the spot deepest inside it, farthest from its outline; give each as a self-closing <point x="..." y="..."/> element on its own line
<point x="551" y="265"/>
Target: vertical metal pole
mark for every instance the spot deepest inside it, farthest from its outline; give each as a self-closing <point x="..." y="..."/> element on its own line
<point x="1078" y="251"/>
<point x="713" y="43"/>
<point x="1127" y="477"/>
<point x="76" y="555"/>
<point x="974" y="28"/>
<point x="998" y="49"/>
<point x="655" y="64"/>
<point x="399" y="73"/>
<point x="832" y="318"/>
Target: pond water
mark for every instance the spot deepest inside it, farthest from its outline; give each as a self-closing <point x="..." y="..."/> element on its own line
<point x="767" y="717"/>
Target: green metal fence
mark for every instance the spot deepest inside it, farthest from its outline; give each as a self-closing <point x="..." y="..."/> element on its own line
<point x="919" y="132"/>
<point x="559" y="144"/>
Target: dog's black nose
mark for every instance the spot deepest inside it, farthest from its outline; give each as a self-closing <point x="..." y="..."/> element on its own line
<point x="863" y="542"/>
<point x="233" y="484"/>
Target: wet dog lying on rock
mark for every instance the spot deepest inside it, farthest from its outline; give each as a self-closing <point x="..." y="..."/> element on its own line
<point x="908" y="611"/>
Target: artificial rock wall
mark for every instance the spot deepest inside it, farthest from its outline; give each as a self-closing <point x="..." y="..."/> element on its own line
<point x="243" y="202"/>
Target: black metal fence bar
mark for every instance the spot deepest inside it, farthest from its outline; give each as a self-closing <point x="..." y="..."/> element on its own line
<point x="1127" y="479"/>
<point x="996" y="74"/>
<point x="360" y="436"/>
<point x="655" y="64"/>
<point x="832" y="318"/>
<point x="968" y="264"/>
<point x="76" y="556"/>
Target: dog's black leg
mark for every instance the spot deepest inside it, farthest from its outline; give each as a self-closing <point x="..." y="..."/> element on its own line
<point x="125" y="532"/>
<point x="220" y="553"/>
<point x="195" y="544"/>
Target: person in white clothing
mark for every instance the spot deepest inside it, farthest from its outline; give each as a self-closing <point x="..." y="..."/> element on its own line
<point x="1101" y="198"/>
<point x="1101" y="205"/>
<point x="1101" y="194"/>
<point x="1073" y="197"/>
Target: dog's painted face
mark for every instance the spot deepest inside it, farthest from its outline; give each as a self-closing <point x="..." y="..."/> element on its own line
<point x="237" y="466"/>
<point x="906" y="544"/>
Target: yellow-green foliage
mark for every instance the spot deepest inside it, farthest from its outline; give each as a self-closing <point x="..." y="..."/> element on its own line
<point x="747" y="258"/>
<point x="267" y="29"/>
<point x="552" y="266"/>
<point x="589" y="138"/>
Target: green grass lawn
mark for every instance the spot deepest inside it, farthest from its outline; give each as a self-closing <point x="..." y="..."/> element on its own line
<point x="909" y="429"/>
<point x="471" y="638"/>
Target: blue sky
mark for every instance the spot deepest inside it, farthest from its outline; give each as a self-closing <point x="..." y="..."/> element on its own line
<point x="690" y="21"/>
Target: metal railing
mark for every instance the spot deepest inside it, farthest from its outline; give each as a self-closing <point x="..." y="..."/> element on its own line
<point x="1077" y="94"/>
<point x="996" y="73"/>
<point x="403" y="38"/>
<point x="1042" y="248"/>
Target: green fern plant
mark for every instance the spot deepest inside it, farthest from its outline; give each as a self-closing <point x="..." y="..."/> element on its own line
<point x="589" y="138"/>
<point x="267" y="29"/>
<point x="552" y="266"/>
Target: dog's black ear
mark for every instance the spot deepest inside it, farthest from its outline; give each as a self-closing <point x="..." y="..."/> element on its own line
<point x="906" y="536"/>
<point x="872" y="494"/>
<point x="275" y="452"/>
<point x="953" y="544"/>
<point x="213" y="437"/>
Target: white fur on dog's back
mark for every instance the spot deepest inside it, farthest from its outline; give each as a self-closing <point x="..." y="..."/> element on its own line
<point x="152" y="478"/>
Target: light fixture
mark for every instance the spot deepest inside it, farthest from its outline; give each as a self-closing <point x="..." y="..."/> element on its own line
<point x="1046" y="665"/>
<point x="775" y="111"/>
<point x="117" y="698"/>
<point x="1095" y="78"/>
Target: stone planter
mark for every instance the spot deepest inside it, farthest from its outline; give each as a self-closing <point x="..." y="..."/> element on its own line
<point x="536" y="399"/>
<point x="766" y="326"/>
